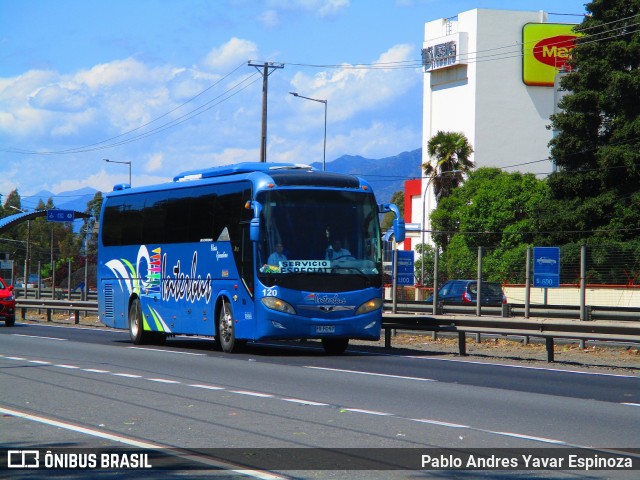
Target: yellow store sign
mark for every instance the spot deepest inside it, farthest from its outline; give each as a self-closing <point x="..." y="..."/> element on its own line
<point x="546" y="47"/>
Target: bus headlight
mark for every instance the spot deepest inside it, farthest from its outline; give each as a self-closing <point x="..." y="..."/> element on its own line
<point x="370" y="306"/>
<point x="275" y="303"/>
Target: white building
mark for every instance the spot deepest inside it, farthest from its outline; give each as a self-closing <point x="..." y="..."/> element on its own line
<point x="476" y="65"/>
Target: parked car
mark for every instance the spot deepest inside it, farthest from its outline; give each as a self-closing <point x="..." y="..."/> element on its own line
<point x="32" y="283"/>
<point x="7" y="304"/>
<point x="464" y="292"/>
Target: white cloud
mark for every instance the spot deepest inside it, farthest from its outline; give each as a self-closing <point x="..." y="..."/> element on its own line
<point x="230" y="55"/>
<point x="269" y="18"/>
<point x="234" y="155"/>
<point x="351" y="91"/>
<point x="185" y="83"/>
<point x="329" y="8"/>
<point x="118" y="72"/>
<point x="378" y="140"/>
<point x="320" y="8"/>
<point x="60" y="98"/>
<point x="49" y="111"/>
<point x="155" y="162"/>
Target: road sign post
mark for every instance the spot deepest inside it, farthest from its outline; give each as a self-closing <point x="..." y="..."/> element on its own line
<point x="54" y="215"/>
<point x="405" y="269"/>
<point x="546" y="267"/>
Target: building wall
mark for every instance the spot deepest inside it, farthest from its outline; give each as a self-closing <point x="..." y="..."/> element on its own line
<point x="483" y="96"/>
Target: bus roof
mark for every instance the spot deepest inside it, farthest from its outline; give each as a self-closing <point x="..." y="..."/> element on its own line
<point x="281" y="174"/>
<point x="245" y="167"/>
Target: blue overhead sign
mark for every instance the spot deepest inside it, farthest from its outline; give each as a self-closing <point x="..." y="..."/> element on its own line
<point x="406" y="269"/>
<point x="546" y="267"/>
<point x="60" y="215"/>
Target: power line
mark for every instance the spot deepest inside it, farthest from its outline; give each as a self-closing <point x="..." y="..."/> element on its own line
<point x="405" y="64"/>
<point x="226" y="95"/>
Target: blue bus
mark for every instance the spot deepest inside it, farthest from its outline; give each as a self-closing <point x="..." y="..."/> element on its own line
<point x="246" y="252"/>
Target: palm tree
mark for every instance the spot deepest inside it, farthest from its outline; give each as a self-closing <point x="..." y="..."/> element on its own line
<point x="451" y="152"/>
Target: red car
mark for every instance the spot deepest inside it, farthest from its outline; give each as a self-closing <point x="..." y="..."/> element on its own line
<point x="7" y="303"/>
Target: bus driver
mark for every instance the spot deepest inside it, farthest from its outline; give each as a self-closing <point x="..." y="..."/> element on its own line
<point x="336" y="252"/>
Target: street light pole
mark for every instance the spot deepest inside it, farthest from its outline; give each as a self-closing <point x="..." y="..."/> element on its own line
<point x="124" y="163"/>
<point x="27" y="252"/>
<point x="324" y="150"/>
<point x="424" y="203"/>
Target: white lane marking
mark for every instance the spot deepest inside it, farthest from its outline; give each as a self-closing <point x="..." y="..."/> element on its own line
<point x="79" y="429"/>
<point x="70" y="367"/>
<point x="206" y="387"/>
<point x="20" y="359"/>
<point x="305" y="402"/>
<point x="252" y="394"/>
<point x="95" y="370"/>
<point x="436" y="422"/>
<point x="39" y="362"/>
<point x="631" y="404"/>
<point x="370" y="412"/>
<point x="99" y="328"/>
<point x="135" y="443"/>
<point x="162" y="380"/>
<point x="524" y="367"/>
<point x="127" y="375"/>
<point x="38" y="336"/>
<point x="358" y="372"/>
<point x="529" y="437"/>
<point x="168" y="351"/>
<point x="354" y="410"/>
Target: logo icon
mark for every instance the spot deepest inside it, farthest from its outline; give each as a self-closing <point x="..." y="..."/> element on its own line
<point x="23" y="459"/>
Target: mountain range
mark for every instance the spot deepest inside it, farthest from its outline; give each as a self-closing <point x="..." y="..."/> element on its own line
<point x="386" y="176"/>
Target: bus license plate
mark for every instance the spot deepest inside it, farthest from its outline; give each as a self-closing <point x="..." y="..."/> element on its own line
<point x="325" y="329"/>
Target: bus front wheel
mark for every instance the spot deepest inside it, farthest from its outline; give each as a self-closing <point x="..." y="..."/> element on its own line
<point x="136" y="330"/>
<point x="226" y="330"/>
<point x="335" y="346"/>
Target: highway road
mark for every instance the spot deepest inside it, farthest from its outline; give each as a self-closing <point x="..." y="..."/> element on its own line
<point x="91" y="388"/>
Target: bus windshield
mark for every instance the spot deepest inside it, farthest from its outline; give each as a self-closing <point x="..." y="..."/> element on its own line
<point x="318" y="232"/>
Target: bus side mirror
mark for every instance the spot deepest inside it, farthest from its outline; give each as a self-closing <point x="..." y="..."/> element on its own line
<point x="399" y="229"/>
<point x="398" y="222"/>
<point x="254" y="225"/>
<point x="254" y="230"/>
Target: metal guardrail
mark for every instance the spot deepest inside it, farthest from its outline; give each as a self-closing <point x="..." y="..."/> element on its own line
<point x="74" y="306"/>
<point x="48" y="294"/>
<point x="621" y="324"/>
<point x="518" y="310"/>
<point x="415" y="317"/>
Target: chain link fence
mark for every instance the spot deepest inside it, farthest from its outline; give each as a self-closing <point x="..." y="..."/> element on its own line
<point x="607" y="274"/>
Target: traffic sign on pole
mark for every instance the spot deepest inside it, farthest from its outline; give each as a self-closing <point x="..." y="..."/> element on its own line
<point x="60" y="215"/>
<point x="406" y="272"/>
<point x="546" y="267"/>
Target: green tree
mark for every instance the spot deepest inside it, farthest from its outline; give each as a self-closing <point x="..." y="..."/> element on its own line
<point x="387" y="220"/>
<point x="89" y="230"/>
<point x="427" y="255"/>
<point x="450" y="152"/>
<point x="492" y="209"/>
<point x="13" y="241"/>
<point x="597" y="145"/>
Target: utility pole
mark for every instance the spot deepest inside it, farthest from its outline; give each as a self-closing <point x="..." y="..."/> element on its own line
<point x="265" y="86"/>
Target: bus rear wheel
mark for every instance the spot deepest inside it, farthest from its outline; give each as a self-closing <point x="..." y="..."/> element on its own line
<point x="136" y="329"/>
<point x="335" y="346"/>
<point x="226" y="330"/>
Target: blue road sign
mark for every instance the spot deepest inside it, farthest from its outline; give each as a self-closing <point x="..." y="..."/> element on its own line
<point x="405" y="268"/>
<point x="60" y="215"/>
<point x="546" y="267"/>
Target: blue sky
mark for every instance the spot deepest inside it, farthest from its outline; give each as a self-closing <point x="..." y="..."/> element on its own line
<point x="165" y="84"/>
